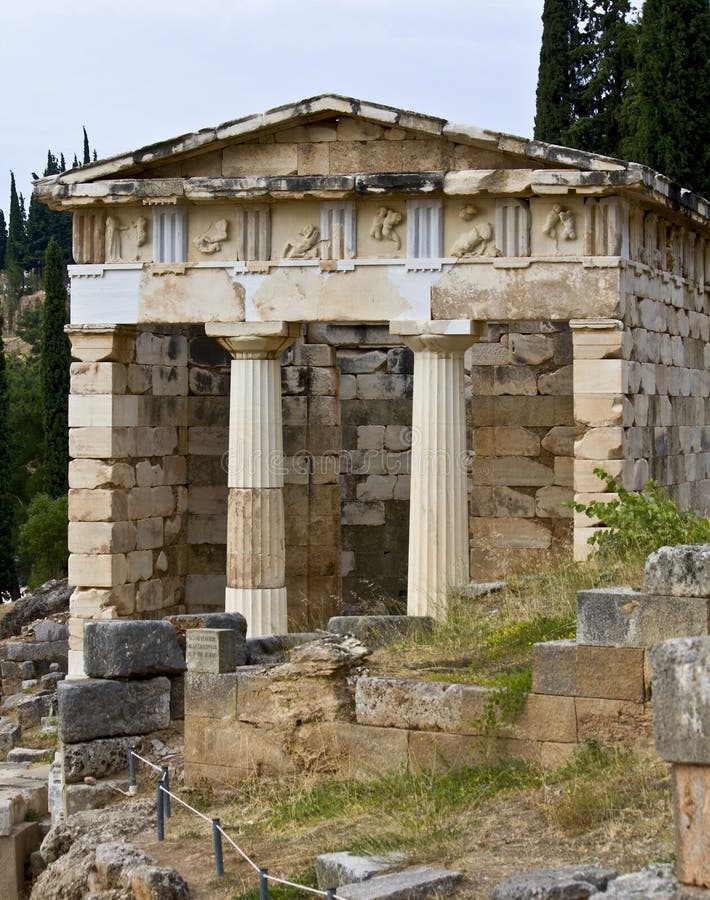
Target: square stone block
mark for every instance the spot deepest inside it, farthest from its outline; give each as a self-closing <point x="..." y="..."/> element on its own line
<point x="622" y="617"/>
<point x="212" y="696"/>
<point x="614" y="720"/>
<point x="212" y="650"/>
<point x="681" y="699"/>
<point x="438" y="753"/>
<point x="612" y="673"/>
<point x="682" y="571"/>
<point x="555" y="668"/>
<point x="544" y="718"/>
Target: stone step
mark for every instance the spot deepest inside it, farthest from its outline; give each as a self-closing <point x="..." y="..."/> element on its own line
<point x="334" y="869"/>
<point x="409" y="884"/>
<point x="29" y="754"/>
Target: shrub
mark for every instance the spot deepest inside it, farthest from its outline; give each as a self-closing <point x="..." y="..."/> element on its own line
<point x="43" y="539"/>
<point x="639" y="522"/>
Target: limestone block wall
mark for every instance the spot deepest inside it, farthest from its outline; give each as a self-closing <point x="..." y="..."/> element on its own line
<point x="208" y="427"/>
<point x="641" y="382"/>
<point x="375" y="393"/>
<point x="312" y="440"/>
<point x="521" y="414"/>
<point x="127" y="475"/>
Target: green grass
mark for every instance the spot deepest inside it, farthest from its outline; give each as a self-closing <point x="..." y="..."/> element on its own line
<point x="284" y="891"/>
<point x="423" y="796"/>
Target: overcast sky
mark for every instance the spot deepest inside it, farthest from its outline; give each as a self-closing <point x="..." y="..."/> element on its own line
<point x="137" y="72"/>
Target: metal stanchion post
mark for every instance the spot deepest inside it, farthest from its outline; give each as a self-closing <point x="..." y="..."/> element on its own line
<point x="263" y="884"/>
<point x="217" y="844"/>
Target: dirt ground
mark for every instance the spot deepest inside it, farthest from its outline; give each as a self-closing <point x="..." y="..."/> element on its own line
<point x="505" y="835"/>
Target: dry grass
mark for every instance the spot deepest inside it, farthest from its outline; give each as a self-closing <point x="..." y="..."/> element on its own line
<point x="607" y="806"/>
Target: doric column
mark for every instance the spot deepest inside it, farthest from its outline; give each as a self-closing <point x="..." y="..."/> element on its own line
<point x="438" y="501"/>
<point x="255" y="517"/>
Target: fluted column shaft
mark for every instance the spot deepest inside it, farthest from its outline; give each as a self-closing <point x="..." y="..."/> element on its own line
<point x="255" y="516"/>
<point x="438" y="502"/>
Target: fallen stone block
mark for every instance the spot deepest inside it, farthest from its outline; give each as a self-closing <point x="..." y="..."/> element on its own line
<point x="657" y="882"/>
<point x="681" y="699"/>
<point x="378" y="631"/>
<point x="573" y="882"/>
<point x="95" y="708"/>
<point x="274" y="648"/>
<point x="622" y="617"/>
<point x="30" y="755"/>
<point x="18" y="651"/>
<point x="79" y="797"/>
<point x="30" y="710"/>
<point x="49" y="630"/>
<point x="98" y="758"/>
<point x="9" y="736"/>
<point x="131" y="649"/>
<point x="334" y="869"/>
<point x="410" y="884"/>
<point x="681" y="571"/>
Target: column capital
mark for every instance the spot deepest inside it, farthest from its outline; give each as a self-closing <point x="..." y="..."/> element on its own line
<point x="438" y="336"/>
<point x="601" y="324"/>
<point x="102" y="343"/>
<point x="254" y="340"/>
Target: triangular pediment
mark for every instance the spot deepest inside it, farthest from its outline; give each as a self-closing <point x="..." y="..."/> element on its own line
<point x="326" y="143"/>
<point x="333" y="119"/>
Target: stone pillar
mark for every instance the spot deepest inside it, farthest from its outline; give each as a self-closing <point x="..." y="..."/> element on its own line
<point x="601" y="379"/>
<point x="100" y="433"/>
<point x="438" y="501"/>
<point x="255" y="516"/>
<point x="681" y="720"/>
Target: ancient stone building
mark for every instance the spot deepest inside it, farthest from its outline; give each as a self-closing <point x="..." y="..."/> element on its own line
<point x="339" y="349"/>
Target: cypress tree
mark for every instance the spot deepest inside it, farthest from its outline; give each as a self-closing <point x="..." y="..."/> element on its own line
<point x="556" y="87"/>
<point x="605" y="64"/>
<point x="9" y="587"/>
<point x="3" y="240"/>
<point x="673" y="91"/>
<point x="15" y="252"/>
<point x="87" y="152"/>
<point x="55" y="360"/>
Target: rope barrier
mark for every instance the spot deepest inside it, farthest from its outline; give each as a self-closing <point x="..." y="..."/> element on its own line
<point x="162" y="805"/>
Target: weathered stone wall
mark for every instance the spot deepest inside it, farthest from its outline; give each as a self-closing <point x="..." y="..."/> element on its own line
<point x="127" y="475"/>
<point x="522" y="436"/>
<point x="208" y="427"/>
<point x="642" y="387"/>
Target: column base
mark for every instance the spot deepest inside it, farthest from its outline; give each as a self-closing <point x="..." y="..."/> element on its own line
<point x="263" y="608"/>
<point x="75" y="664"/>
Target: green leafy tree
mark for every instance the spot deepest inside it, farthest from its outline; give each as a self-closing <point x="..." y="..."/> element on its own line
<point x="639" y="522"/>
<point x="556" y="81"/>
<point x="56" y="358"/>
<point x="673" y="91"/>
<point x="9" y="587"/>
<point x="42" y="541"/>
<point x="44" y="223"/>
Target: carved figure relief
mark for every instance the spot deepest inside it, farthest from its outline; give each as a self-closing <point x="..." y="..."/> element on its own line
<point x="113" y="238"/>
<point x="384" y="226"/>
<point x="141" y="226"/>
<point x="475" y="241"/>
<point x="211" y="240"/>
<point x="306" y="246"/>
<point x="562" y="217"/>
